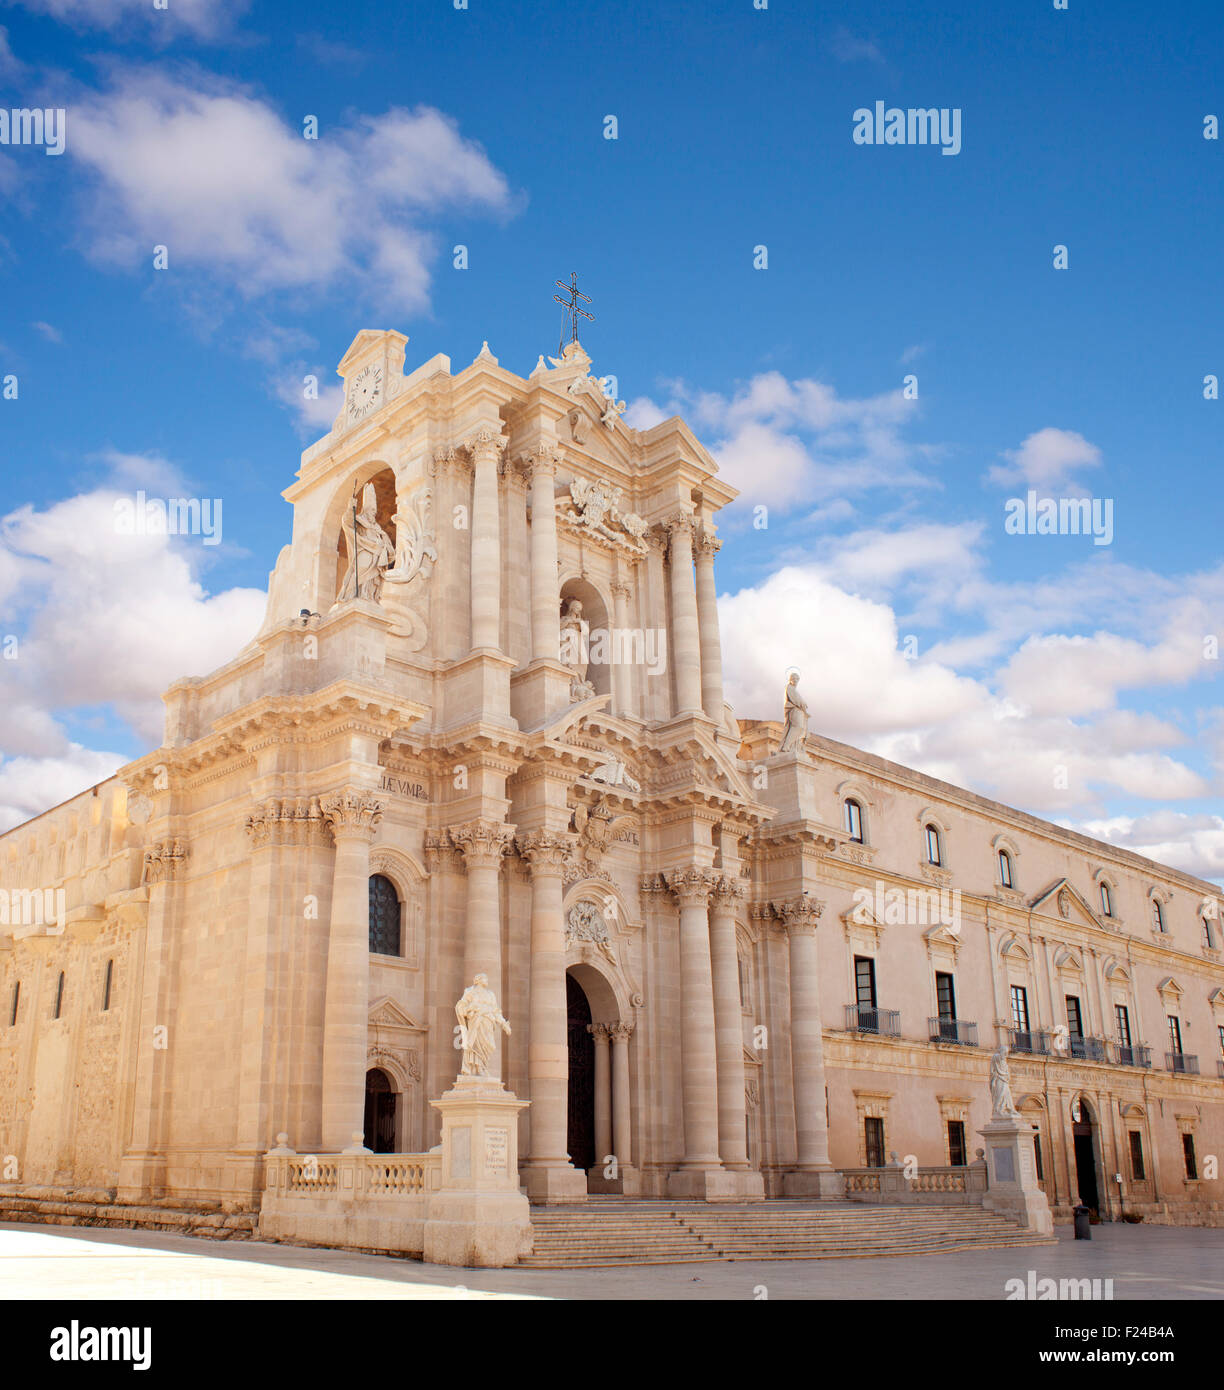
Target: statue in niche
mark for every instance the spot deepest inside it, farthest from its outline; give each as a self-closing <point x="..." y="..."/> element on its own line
<point x="371" y="556"/>
<point x="404" y="590"/>
<point x="575" y="650"/>
<point x="794" y="730"/>
<point x="586" y="924"/>
<point x="1001" y="1103"/>
<point x="479" y="1018"/>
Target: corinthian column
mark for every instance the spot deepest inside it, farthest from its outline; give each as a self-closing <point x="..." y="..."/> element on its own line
<point x="813" y="1174"/>
<point x="353" y="817"/>
<point x="698" y="1057"/>
<point x="550" y="1176"/>
<point x="685" y="636"/>
<point x="483" y="843"/>
<point x="545" y="599"/>
<point x="728" y="1022"/>
<point x="485" y="448"/>
<point x="622" y="1136"/>
<point x="707" y="618"/>
<point x="603" y="1094"/>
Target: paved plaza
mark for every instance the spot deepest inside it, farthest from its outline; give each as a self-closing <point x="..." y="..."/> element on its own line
<point x="49" y="1262"/>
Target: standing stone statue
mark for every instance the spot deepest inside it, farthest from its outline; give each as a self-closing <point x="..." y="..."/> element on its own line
<point x="795" y="730"/>
<point x="1001" y="1103"/>
<point x="373" y="554"/>
<point x="478" y="1017"/>
<point x="575" y="653"/>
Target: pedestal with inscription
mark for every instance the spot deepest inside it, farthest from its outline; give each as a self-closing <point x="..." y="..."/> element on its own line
<point x="1012" y="1172"/>
<point x="478" y="1218"/>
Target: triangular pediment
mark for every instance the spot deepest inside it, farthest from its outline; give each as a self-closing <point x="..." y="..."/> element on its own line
<point x="1063" y="900"/>
<point x="370" y="342"/>
<point x="386" y="1013"/>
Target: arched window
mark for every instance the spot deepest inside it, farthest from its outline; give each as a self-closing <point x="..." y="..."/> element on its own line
<point x="384" y="917"/>
<point x="59" y="996"/>
<point x="854" y="820"/>
<point x="1005" y="869"/>
<point x="106" y="987"/>
<point x="1158" y="920"/>
<point x="1106" y="899"/>
<point x="934" y="856"/>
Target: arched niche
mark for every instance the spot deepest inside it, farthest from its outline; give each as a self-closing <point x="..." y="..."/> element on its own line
<point x="337" y="538"/>
<point x="595" y="613"/>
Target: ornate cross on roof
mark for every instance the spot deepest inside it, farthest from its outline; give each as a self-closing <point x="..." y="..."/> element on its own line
<point x="573" y="311"/>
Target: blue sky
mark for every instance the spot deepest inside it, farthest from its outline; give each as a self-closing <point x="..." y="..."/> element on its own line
<point x="486" y="127"/>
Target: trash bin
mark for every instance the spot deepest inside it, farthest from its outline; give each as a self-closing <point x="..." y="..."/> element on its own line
<point x="1082" y="1220"/>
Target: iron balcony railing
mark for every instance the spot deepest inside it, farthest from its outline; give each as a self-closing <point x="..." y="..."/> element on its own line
<point x="952" y="1030"/>
<point x="1087" y="1049"/>
<point x="1132" y="1055"/>
<point x="1029" y="1040"/>
<point x="886" y="1022"/>
<point x="1182" y="1061"/>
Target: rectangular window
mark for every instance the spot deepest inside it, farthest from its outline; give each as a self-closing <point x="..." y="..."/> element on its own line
<point x="1175" y="1044"/>
<point x="1037" y="1156"/>
<point x="864" y="982"/>
<point x="16" y="1003"/>
<point x="1220" y="1031"/>
<point x="932" y="843"/>
<point x="1138" y="1172"/>
<point x="106" y="988"/>
<point x="945" y="994"/>
<point x="854" y="821"/>
<point x="956" y="1143"/>
<point x="1208" y="934"/>
<point x="1122" y="1018"/>
<point x="1075" y="1023"/>
<point x="1188" y="1155"/>
<point x="874" y="1134"/>
<point x="1019" y="1001"/>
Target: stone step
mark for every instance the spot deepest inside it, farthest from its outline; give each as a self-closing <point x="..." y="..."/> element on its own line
<point x="189" y="1218"/>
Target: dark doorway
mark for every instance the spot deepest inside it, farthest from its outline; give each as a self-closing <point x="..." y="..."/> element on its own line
<point x="1085" y="1159"/>
<point x="380" y="1103"/>
<point x="581" y="1140"/>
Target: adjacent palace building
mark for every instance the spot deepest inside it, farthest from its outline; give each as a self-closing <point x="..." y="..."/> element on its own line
<point x="482" y="729"/>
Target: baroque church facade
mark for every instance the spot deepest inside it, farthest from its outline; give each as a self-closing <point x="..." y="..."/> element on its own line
<point x="482" y="729"/>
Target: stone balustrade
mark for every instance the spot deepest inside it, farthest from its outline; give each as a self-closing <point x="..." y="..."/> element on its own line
<point x="932" y="1186"/>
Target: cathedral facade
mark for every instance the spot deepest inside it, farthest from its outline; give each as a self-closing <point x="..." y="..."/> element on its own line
<point x="482" y="730"/>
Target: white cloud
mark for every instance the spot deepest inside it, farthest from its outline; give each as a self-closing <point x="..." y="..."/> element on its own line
<point x="214" y="174"/>
<point x="203" y="19"/>
<point x="29" y="786"/>
<point x="10" y="65"/>
<point x="1045" y="461"/>
<point x="48" y="331"/>
<point x="314" y="413"/>
<point x="848" y="49"/>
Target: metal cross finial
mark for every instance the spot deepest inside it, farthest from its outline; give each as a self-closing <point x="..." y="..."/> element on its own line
<point x="573" y="312"/>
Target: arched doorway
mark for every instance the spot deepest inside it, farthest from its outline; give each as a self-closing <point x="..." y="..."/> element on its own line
<point x="581" y="1135"/>
<point x="381" y="1104"/>
<point x="1084" y="1140"/>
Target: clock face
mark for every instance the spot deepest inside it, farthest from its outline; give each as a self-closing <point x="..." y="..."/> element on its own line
<point x="365" y="394"/>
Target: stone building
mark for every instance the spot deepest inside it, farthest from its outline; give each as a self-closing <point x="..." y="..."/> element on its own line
<point x="482" y="728"/>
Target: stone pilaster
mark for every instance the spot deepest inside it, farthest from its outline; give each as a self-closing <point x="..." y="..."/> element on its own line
<point x="485" y="448"/>
<point x="685" y="654"/>
<point x="707" y="618"/>
<point x="353" y="816"/>
<point x="545" y="596"/>
<point x="728" y="1024"/>
<point x="549" y="1174"/>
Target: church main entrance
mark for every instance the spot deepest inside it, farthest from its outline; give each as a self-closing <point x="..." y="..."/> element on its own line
<point x="581" y="1140"/>
<point x="380" y="1104"/>
<point x="1085" y="1157"/>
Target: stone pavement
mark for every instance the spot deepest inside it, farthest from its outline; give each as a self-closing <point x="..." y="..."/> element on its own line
<point x="50" y="1262"/>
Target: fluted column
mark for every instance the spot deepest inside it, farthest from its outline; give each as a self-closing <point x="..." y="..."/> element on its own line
<point x="548" y="1040"/>
<point x="698" y="1057"/>
<point x="685" y="635"/>
<point x="603" y="1094"/>
<point x="622" y="1134"/>
<point x="353" y="817"/>
<point x="807" y="1048"/>
<point x="622" y="674"/>
<point x="485" y="448"/>
<point x="707" y="618"/>
<point x="545" y="595"/>
<point x="483" y="843"/>
<point x="728" y="1022"/>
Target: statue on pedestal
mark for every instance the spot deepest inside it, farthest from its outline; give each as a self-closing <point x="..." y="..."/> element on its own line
<point x="478" y="1017"/>
<point x="1002" y="1106"/>
<point x="372" y="553"/>
<point x="575" y="652"/>
<point x="794" y="731"/>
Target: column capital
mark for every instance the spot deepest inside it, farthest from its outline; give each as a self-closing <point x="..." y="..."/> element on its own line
<point x="708" y="545"/>
<point x="619" y="1032"/>
<point x="485" y="444"/>
<point x="693" y="886"/>
<point x="547" y="852"/>
<point x="542" y="460"/>
<point x="600" y="1031"/>
<point x="351" y="814"/>
<point x="680" y="525"/>
<point x="801" y="914"/>
<point x="728" y="891"/>
<point x="483" y="842"/>
<point x="622" y="590"/>
<point x="163" y="861"/>
<point x="287" y="821"/>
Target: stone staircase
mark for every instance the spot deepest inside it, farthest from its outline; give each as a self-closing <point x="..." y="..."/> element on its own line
<point x="97" y="1207"/>
<point x="603" y="1233"/>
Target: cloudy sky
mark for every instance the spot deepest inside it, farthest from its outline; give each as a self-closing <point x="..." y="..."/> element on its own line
<point x="1076" y="680"/>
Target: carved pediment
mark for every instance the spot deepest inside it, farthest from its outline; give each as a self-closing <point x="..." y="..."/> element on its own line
<point x="1064" y="901"/>
<point x="386" y="1013"/>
